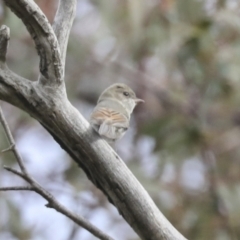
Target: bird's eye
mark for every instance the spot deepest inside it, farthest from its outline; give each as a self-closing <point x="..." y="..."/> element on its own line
<point x="126" y="94"/>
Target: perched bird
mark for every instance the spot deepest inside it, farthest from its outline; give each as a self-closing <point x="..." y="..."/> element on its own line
<point x="111" y="117"/>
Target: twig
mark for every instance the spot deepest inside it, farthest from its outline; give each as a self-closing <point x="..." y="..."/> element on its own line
<point x="10" y="148"/>
<point x="21" y="175"/>
<point x="12" y="143"/>
<point x="17" y="188"/>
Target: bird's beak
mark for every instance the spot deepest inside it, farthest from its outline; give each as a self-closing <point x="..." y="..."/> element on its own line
<point x="138" y="100"/>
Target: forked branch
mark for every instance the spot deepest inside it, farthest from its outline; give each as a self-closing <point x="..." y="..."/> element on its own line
<point x="47" y="102"/>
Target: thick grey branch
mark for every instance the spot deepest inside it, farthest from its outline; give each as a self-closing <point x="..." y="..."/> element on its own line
<point x="108" y="172"/>
<point x="13" y="88"/>
<point x="101" y="164"/>
<point x="4" y="38"/>
<point x="44" y="38"/>
<point x="50" y="106"/>
<point x="63" y="23"/>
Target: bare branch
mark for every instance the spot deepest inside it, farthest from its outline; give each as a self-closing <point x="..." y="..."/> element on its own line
<point x="4" y="38"/>
<point x="44" y="38"/>
<point x="21" y="175"/>
<point x="12" y="142"/>
<point x="15" y="89"/>
<point x="10" y="148"/>
<point x="76" y="218"/>
<point x="63" y="23"/>
<point x="17" y="188"/>
<point x="53" y="203"/>
<point x="53" y="110"/>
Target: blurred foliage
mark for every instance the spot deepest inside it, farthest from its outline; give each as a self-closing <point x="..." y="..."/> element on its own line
<point x="183" y="58"/>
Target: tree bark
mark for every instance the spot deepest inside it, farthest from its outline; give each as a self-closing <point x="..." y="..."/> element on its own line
<point x="46" y="101"/>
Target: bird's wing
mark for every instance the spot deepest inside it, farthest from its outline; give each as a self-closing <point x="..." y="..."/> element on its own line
<point x="111" y="123"/>
<point x="101" y="115"/>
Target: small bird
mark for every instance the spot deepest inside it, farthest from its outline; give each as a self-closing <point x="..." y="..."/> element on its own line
<point x="111" y="117"/>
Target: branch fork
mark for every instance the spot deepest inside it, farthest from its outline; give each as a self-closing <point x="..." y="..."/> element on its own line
<point x="68" y="127"/>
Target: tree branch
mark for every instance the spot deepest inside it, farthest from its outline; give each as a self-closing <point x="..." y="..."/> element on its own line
<point x="50" y="106"/>
<point x="19" y="174"/>
<point x="44" y="38"/>
<point x="15" y="89"/>
<point x="17" y="188"/>
<point x="62" y="25"/>
<point x="12" y="143"/>
<point x="5" y="36"/>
